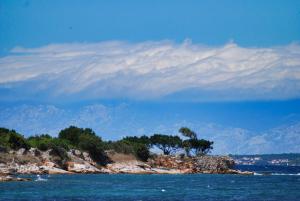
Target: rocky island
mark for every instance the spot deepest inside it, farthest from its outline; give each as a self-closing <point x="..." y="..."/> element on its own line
<point x="46" y="155"/>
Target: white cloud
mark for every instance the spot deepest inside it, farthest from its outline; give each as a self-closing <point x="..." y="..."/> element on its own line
<point x="153" y="70"/>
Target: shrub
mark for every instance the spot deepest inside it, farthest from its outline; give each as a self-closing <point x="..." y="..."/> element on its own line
<point x="16" y="141"/>
<point x="4" y="137"/>
<point x="10" y="139"/>
<point x="45" y="142"/>
<point x="93" y="145"/>
<point x="141" y="151"/>
<point x="59" y="154"/>
<point x="125" y="146"/>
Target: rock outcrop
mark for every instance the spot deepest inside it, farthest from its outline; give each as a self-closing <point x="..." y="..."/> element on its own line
<point x="34" y="161"/>
<point x="201" y="164"/>
<point x="10" y="178"/>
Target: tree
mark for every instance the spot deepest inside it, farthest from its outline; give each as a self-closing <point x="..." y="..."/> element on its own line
<point x="193" y="144"/>
<point x="200" y="147"/>
<point x="145" y="140"/>
<point x="72" y="134"/>
<point x="86" y="140"/>
<point x="188" y="133"/>
<point x="167" y="143"/>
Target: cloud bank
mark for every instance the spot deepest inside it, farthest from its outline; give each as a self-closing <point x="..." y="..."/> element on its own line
<point x="151" y="70"/>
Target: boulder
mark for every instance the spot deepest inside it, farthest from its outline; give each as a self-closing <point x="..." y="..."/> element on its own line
<point x="82" y="168"/>
<point x="21" y="151"/>
<point x="53" y="170"/>
<point x="34" y="152"/>
<point x="9" y="178"/>
<point x="76" y="152"/>
<point x="130" y="167"/>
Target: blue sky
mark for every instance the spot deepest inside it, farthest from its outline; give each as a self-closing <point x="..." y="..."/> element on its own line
<point x="249" y="23"/>
<point x="228" y="69"/>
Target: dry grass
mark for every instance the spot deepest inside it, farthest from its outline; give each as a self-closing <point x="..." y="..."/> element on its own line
<point x="119" y="157"/>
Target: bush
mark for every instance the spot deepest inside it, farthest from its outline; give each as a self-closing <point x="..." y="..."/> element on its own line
<point x="46" y="142"/>
<point x="43" y="146"/>
<point x="4" y="137"/>
<point x="141" y="151"/>
<point x="59" y="154"/>
<point x="93" y="145"/>
<point x="11" y="139"/>
<point x="61" y="143"/>
<point x="125" y="146"/>
<point x="16" y="141"/>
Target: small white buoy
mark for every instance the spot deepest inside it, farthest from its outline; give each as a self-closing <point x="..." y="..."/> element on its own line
<point x="163" y="190"/>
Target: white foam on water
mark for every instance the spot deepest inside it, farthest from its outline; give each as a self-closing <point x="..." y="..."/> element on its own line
<point x="277" y="174"/>
<point x="280" y="174"/>
<point x="163" y="190"/>
<point x="39" y="178"/>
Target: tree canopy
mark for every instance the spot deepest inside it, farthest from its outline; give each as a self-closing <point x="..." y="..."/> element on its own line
<point x="167" y="143"/>
<point x="193" y="144"/>
<point x="185" y="131"/>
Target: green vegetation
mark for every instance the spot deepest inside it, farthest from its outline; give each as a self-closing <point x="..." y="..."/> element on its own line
<point x="85" y="139"/>
<point x="193" y="144"/>
<point x="138" y="146"/>
<point x="10" y="139"/>
<point x="167" y="143"/>
<point x="44" y="142"/>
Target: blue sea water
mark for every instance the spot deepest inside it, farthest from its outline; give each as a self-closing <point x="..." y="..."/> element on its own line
<point x="279" y="187"/>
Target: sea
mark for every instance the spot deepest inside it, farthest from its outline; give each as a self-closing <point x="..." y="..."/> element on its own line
<point x="270" y="183"/>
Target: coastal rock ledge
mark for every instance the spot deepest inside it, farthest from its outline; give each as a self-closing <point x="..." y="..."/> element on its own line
<point x="41" y="162"/>
<point x="10" y="178"/>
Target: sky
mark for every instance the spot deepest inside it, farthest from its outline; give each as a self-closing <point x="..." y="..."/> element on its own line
<point x="230" y="69"/>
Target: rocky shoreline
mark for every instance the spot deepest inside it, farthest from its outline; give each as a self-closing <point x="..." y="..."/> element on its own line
<point x="35" y="161"/>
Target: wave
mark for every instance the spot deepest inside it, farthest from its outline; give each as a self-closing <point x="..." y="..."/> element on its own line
<point x="276" y="174"/>
<point x="298" y="174"/>
<point x="39" y="178"/>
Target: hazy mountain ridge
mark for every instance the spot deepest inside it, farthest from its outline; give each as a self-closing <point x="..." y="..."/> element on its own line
<point x="37" y="119"/>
